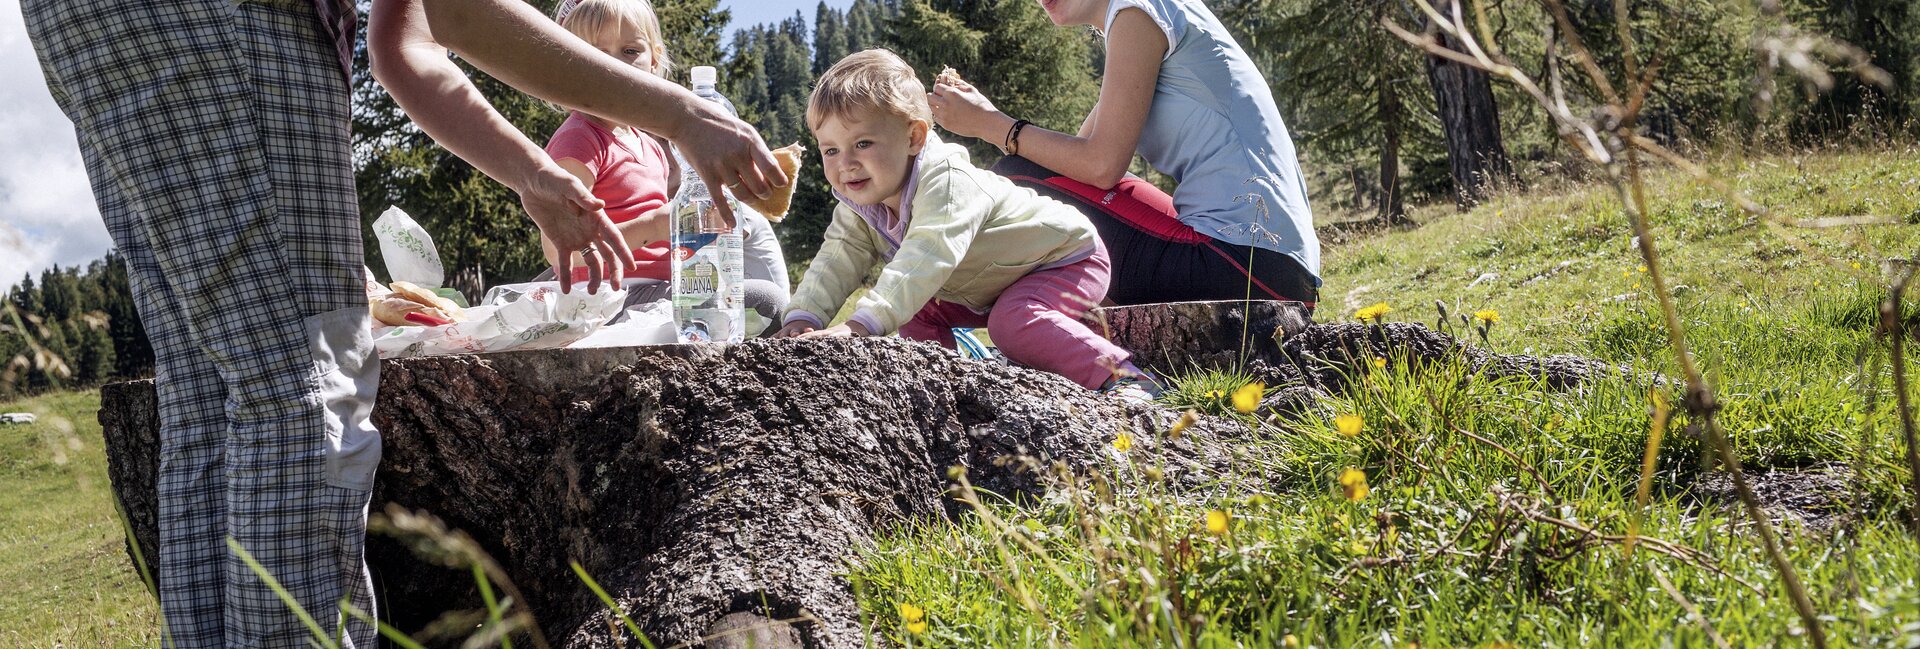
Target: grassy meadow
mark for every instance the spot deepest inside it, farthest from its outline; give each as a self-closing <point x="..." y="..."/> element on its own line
<point x="1412" y="533"/>
<point x="1425" y="508"/>
<point x="65" y="580"/>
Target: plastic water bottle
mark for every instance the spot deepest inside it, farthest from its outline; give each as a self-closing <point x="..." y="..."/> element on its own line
<point x="709" y="297"/>
<point x="705" y="79"/>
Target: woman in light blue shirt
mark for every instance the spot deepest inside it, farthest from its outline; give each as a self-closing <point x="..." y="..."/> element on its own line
<point x="1180" y="92"/>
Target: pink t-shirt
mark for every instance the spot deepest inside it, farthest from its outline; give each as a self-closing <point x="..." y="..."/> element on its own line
<point x="629" y="171"/>
<point x="629" y="174"/>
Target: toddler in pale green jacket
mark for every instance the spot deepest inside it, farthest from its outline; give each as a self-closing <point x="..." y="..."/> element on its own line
<point x="962" y="247"/>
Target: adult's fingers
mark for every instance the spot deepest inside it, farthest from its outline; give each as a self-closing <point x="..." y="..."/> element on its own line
<point x="617" y="247"/>
<point x="590" y="256"/>
<point x="616" y="264"/>
<point x="722" y="208"/>
<point x="563" y="271"/>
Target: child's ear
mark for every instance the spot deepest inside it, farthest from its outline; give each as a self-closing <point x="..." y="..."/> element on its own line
<point x="917" y="134"/>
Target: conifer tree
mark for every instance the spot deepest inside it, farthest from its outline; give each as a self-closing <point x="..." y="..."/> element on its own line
<point x="829" y="37"/>
<point x="693" y="29"/>
<point x="1029" y="67"/>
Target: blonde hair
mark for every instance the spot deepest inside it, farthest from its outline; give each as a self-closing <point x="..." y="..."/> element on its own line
<point x="591" y="19"/>
<point x="876" y="79"/>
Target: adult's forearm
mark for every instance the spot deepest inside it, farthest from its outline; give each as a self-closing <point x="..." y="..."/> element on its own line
<point x="1075" y="157"/>
<point x="516" y="44"/>
<point x="440" y="100"/>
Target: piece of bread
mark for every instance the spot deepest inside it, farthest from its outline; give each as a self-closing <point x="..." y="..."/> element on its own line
<point x="391" y="309"/>
<point x="414" y="292"/>
<point x="408" y="299"/>
<point x="950" y="77"/>
<point x="775" y="207"/>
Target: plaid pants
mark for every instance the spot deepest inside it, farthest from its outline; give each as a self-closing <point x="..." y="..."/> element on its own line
<point x="216" y="136"/>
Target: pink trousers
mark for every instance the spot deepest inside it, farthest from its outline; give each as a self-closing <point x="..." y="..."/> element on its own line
<point x="1038" y="322"/>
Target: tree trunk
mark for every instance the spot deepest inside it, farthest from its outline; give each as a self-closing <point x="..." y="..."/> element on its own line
<point x="1471" y="121"/>
<point x="1392" y="208"/>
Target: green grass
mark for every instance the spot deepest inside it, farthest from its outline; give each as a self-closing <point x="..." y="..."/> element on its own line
<point x="64" y="575"/>
<point x="1456" y="542"/>
<point x="1453" y="545"/>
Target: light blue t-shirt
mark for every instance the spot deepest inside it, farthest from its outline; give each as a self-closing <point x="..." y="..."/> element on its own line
<point x="1215" y="129"/>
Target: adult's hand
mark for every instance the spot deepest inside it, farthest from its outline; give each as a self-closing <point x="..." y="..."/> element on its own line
<point x="727" y="152"/>
<point x="963" y="110"/>
<point x="574" y="221"/>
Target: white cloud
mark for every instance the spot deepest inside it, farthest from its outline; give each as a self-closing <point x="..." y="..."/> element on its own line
<point x="47" y="213"/>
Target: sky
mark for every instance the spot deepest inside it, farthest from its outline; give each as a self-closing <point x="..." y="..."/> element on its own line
<point x="47" y="213"/>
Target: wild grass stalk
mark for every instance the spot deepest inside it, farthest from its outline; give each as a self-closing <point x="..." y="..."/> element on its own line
<point x="1608" y="138"/>
<point x="1893" y="326"/>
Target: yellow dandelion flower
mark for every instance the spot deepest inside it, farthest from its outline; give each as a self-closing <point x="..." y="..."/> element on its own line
<point x="1216" y="395"/>
<point x="1379" y="362"/>
<point x="1187" y="420"/>
<point x="1488" y="316"/>
<point x="1353" y="482"/>
<point x="917" y="628"/>
<point x="1348" y="425"/>
<point x="1856" y="265"/>
<point x="1123" y="442"/>
<point x="1290" y="641"/>
<point x="1373" y="313"/>
<point x="1217" y="522"/>
<point x="911" y="613"/>
<point x="1637" y="284"/>
<point x="1247" y="398"/>
<point x="1643" y="269"/>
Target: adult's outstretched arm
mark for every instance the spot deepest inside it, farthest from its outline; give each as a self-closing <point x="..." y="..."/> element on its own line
<point x="438" y="97"/>
<point x="518" y="45"/>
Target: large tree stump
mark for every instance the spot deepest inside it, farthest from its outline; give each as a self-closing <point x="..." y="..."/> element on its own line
<point x="691" y="481"/>
<point x="702" y="482"/>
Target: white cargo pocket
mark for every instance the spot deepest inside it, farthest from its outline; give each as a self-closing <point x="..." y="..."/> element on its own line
<point x="349" y="377"/>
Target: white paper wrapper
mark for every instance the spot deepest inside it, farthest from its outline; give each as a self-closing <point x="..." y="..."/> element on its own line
<point x="516" y="316"/>
<point x="647" y="323"/>
<point x="410" y="254"/>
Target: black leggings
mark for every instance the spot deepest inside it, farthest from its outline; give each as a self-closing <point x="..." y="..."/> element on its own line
<point x="1156" y="258"/>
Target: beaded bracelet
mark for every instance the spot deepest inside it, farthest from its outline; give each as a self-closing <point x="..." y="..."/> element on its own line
<point x="1012" y="141"/>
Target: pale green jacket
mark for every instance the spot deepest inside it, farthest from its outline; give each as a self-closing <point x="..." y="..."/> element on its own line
<point x="965" y="235"/>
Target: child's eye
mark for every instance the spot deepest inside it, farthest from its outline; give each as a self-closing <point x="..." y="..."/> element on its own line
<point x="828" y="153"/>
<point x="863" y="144"/>
<point x="633" y="52"/>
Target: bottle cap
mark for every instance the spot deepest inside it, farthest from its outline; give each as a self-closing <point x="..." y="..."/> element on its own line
<point x="704" y="75"/>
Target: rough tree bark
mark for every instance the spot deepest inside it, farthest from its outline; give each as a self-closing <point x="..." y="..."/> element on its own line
<point x="1391" y="113"/>
<point x="1392" y="208"/>
<point x="1470" y="119"/>
<point x="691" y="481"/>
<point x="697" y="482"/>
